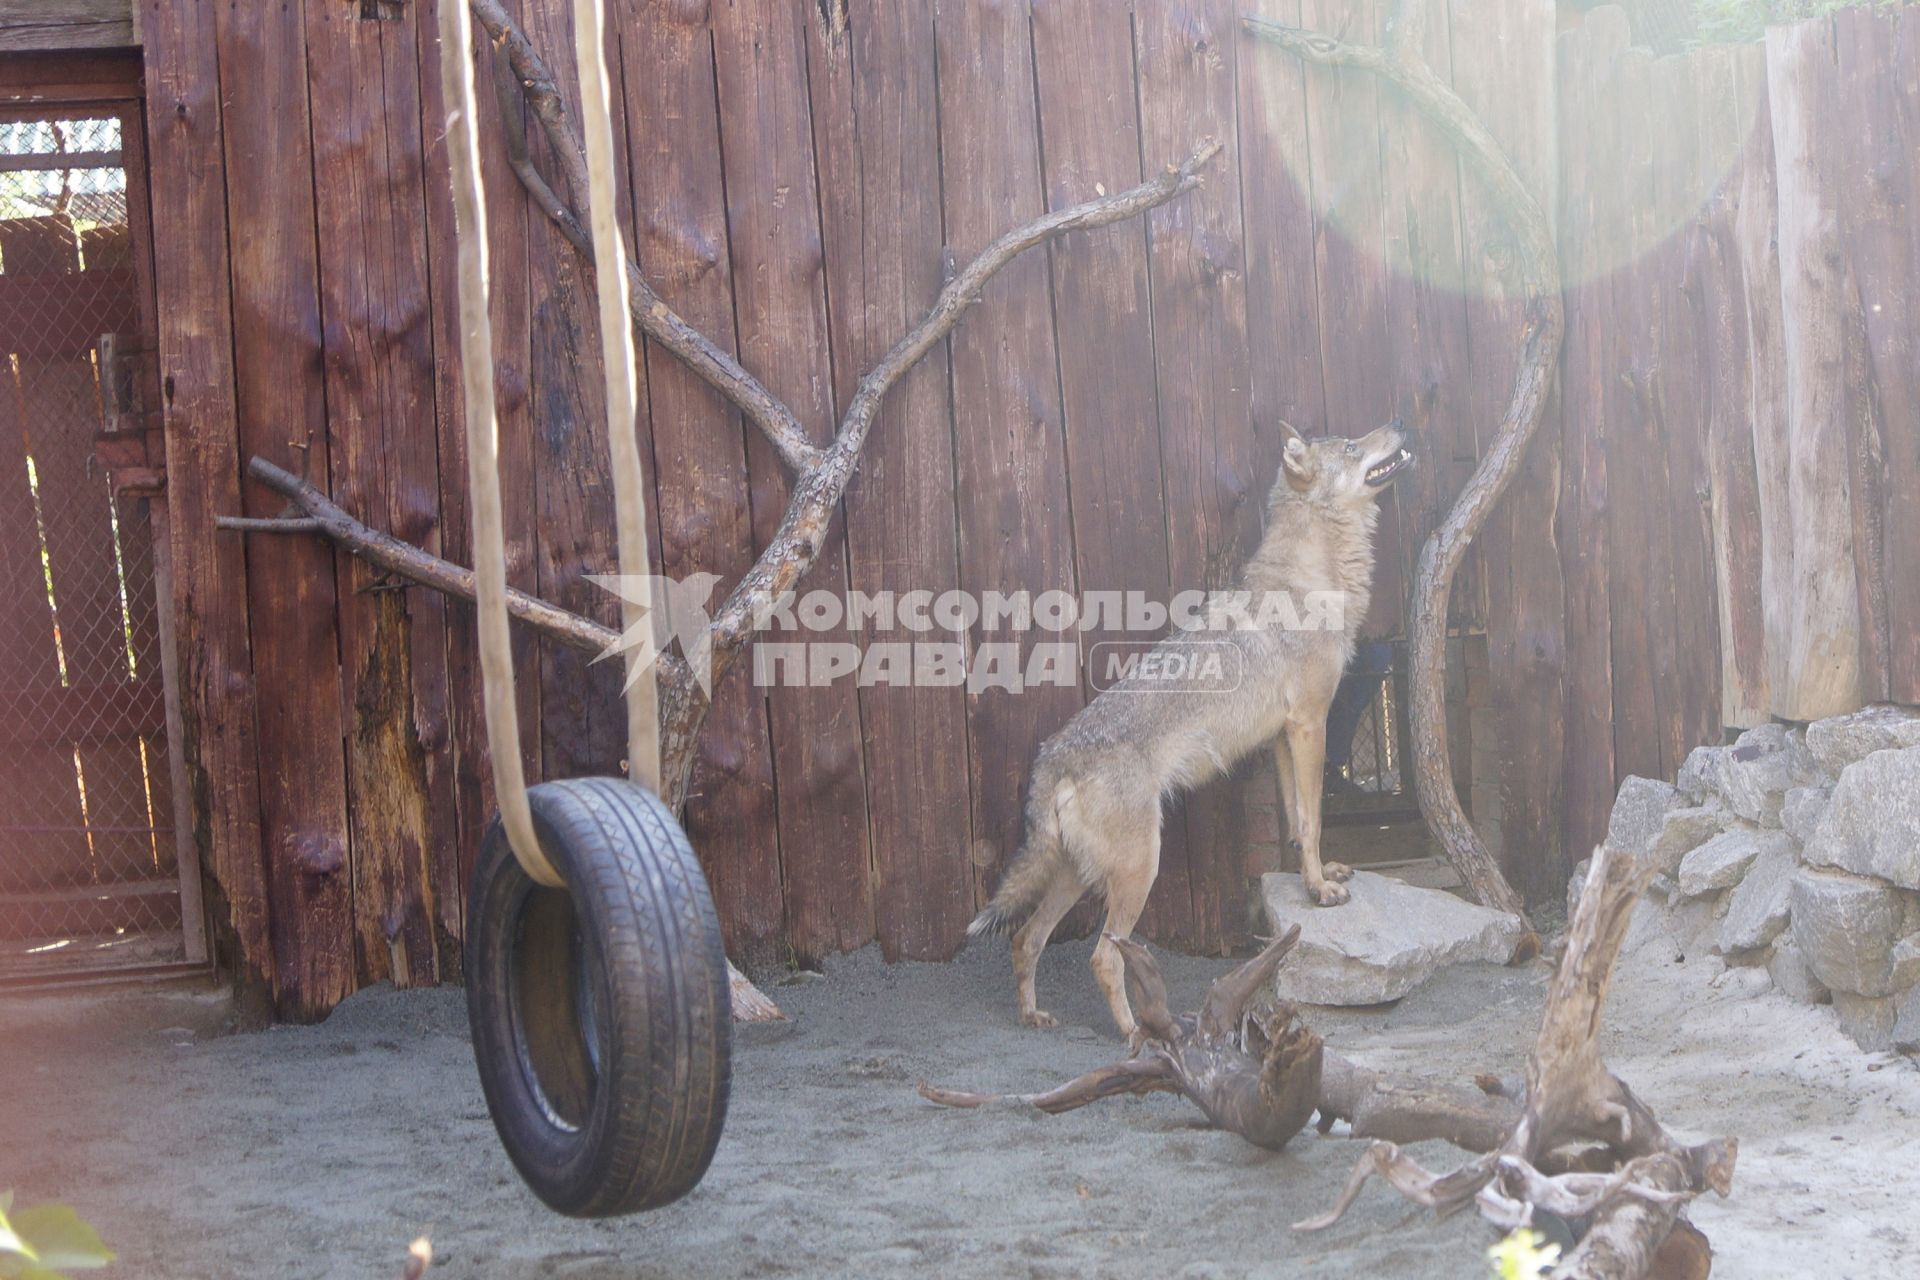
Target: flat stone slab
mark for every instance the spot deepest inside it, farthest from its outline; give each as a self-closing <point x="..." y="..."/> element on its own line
<point x="1722" y="861"/>
<point x="1386" y="940"/>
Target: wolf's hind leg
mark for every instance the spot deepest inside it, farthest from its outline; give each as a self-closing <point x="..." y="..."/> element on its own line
<point x="1127" y="886"/>
<point x="1030" y="939"/>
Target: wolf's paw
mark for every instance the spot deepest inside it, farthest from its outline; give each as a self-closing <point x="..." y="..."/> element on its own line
<point x="1329" y="894"/>
<point x="1339" y="871"/>
<point x="1038" y="1018"/>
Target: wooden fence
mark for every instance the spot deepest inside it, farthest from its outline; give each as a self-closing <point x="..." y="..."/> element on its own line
<point x="801" y="175"/>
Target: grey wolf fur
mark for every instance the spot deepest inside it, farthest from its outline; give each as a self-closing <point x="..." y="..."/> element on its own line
<point x="1094" y="799"/>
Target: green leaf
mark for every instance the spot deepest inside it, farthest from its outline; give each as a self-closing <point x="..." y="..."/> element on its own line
<point x="62" y="1238"/>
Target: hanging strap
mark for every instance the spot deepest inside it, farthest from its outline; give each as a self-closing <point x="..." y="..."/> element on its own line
<point x="616" y="350"/>
<point x="483" y="445"/>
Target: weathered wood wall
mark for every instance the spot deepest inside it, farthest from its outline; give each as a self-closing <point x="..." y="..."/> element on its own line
<point x="1740" y="511"/>
<point x="800" y="177"/>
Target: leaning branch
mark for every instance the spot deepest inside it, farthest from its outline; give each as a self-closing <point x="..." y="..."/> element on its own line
<point x="1400" y="64"/>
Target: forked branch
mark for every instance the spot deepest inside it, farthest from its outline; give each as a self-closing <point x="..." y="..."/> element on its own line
<point x="1582" y="1144"/>
<point x="1400" y="64"/>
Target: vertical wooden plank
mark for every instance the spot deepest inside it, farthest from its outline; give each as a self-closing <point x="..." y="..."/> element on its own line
<point x="1283" y="302"/>
<point x="282" y="416"/>
<point x="1090" y="134"/>
<point x="1729" y="87"/>
<point x="1632" y="348"/>
<point x="1903" y="444"/>
<point x="876" y="140"/>
<point x="1588" y="196"/>
<point x="209" y="571"/>
<point x="1822" y="660"/>
<point x="511" y="313"/>
<point x="1690" y="693"/>
<point x="1009" y="448"/>
<point x="378" y="345"/>
<point x="1186" y="51"/>
<point x="699" y="454"/>
<point x="1344" y="134"/>
<point x="780" y="315"/>
<point x="1756" y="234"/>
<point x="1504" y="69"/>
<point x="1427" y="319"/>
<point x="1878" y="76"/>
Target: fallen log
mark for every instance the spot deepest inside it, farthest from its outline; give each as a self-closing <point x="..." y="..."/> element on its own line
<point x="1258" y="1077"/>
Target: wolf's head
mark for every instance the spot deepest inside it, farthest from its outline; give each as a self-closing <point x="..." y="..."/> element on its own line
<point x="1348" y="472"/>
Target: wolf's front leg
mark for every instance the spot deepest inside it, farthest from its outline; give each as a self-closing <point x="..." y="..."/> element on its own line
<point x="1308" y="745"/>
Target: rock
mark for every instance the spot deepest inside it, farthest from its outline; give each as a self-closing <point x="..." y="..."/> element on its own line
<point x="1800" y="812"/>
<point x="1754" y="775"/>
<point x="1871" y="827"/>
<point x="1868" y="1019"/>
<point x="1903" y="966"/>
<point x="1757" y="908"/>
<point x="1638" y="812"/>
<point x="1700" y="773"/>
<point x="1906" y="1022"/>
<point x="1691" y="924"/>
<point x="1389" y="938"/>
<point x="1684" y="830"/>
<point x="1790" y="974"/>
<point x="1838" y="741"/>
<point x="1846" y="928"/>
<point x="1721" y="861"/>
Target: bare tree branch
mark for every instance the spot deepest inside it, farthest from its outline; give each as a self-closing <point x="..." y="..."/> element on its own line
<point x="1400" y="64"/>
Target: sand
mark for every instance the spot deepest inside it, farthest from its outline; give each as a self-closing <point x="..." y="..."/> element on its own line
<point x="321" y="1151"/>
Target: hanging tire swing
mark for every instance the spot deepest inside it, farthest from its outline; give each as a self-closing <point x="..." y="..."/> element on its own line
<point x="597" y="986"/>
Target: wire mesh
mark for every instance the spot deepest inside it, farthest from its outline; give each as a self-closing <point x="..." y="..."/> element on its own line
<point x="88" y="878"/>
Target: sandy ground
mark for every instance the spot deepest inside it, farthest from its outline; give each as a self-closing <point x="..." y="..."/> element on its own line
<point x="322" y="1151"/>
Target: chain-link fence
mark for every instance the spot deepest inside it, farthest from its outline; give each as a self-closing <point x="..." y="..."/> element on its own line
<point x="88" y="875"/>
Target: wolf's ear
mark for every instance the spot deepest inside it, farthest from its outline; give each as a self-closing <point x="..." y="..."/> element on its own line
<point x="1293" y="461"/>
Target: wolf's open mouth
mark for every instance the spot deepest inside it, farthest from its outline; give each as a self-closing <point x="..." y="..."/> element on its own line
<point x="1380" y="473"/>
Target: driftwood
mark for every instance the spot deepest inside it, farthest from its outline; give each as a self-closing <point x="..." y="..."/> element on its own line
<point x="1580" y="1144"/>
<point x="821" y="473"/>
<point x="1400" y="64"/>
<point x="1257" y="1077"/>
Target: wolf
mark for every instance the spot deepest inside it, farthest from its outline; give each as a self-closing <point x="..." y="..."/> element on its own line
<point x="1095" y="795"/>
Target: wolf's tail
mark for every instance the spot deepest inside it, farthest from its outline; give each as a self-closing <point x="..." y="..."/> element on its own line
<point x="1041" y="862"/>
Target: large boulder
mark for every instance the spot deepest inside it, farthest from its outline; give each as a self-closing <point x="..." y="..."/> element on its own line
<point x="1684" y="830"/>
<point x="1754" y="775"/>
<point x="1838" y="741"/>
<point x="1387" y="939"/>
<point x="1846" y="928"/>
<point x="1639" y="812"/>
<point x="1722" y="861"/>
<point x="1872" y="825"/>
<point x="1757" y="908"/>
<point x="1906" y="1022"/>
